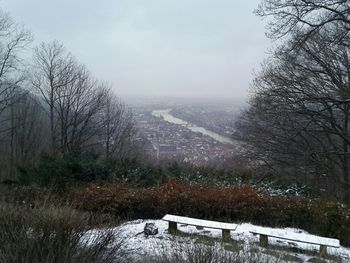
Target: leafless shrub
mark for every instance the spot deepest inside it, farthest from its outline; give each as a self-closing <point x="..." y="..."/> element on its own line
<point x="52" y="234"/>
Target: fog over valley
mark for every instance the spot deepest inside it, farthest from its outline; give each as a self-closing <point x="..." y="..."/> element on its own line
<point x="177" y="131"/>
<point x="185" y="48"/>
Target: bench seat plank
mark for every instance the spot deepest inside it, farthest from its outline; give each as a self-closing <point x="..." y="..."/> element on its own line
<point x="310" y="239"/>
<point x="199" y="222"/>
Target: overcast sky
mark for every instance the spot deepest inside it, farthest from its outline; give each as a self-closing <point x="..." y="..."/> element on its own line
<point x="182" y="48"/>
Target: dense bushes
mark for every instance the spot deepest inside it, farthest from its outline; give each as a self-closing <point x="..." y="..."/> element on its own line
<point x="239" y="203"/>
<point x="79" y="168"/>
<point x="170" y="197"/>
<point x="68" y="170"/>
<point x="61" y="171"/>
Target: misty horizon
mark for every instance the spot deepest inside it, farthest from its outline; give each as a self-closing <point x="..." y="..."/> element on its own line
<point x="155" y="49"/>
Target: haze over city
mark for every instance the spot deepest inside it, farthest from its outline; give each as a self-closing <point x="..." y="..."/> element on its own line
<point x="174" y="131"/>
<point x="183" y="48"/>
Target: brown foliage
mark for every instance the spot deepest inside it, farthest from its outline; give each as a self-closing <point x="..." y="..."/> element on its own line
<point x="231" y="204"/>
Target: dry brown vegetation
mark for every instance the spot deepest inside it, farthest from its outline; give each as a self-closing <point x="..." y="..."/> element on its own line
<point x="232" y="204"/>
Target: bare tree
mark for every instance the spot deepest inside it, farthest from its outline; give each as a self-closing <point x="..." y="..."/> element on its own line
<point x="119" y="129"/>
<point x="75" y="102"/>
<point x="53" y="70"/>
<point x="13" y="39"/>
<point x="30" y="127"/>
<point x="24" y="133"/>
<point x="299" y="115"/>
<point x="303" y="18"/>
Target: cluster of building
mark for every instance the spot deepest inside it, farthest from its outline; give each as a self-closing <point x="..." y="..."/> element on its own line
<point x="167" y="141"/>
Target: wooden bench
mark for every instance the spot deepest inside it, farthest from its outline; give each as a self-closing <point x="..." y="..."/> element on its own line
<point x="323" y="242"/>
<point x="225" y="227"/>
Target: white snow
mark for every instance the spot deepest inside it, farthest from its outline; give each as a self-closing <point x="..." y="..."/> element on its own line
<point x="283" y="234"/>
<point x="199" y="222"/>
<point x="135" y="241"/>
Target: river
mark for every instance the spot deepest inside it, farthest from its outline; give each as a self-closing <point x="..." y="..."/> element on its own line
<point x="165" y="114"/>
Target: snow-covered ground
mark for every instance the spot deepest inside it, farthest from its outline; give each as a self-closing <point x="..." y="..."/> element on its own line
<point x="139" y="246"/>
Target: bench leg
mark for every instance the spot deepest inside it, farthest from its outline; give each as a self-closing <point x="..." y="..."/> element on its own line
<point x="226" y="236"/>
<point x="264" y="240"/>
<point x="323" y="250"/>
<point x="172" y="227"/>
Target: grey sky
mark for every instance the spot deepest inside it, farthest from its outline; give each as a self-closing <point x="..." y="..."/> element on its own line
<point x="206" y="48"/>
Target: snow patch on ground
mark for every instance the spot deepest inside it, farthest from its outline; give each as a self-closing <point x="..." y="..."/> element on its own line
<point x="139" y="246"/>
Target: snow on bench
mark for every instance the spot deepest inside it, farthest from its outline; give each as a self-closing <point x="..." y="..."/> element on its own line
<point x="225" y="227"/>
<point x="323" y="242"/>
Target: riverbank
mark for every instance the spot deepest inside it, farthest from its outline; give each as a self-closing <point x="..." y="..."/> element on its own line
<point x="165" y="115"/>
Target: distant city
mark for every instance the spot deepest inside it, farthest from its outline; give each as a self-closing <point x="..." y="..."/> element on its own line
<point x="190" y="132"/>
